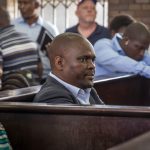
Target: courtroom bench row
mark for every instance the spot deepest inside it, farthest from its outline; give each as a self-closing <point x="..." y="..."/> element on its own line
<point x="113" y="90"/>
<point x="34" y="126"/>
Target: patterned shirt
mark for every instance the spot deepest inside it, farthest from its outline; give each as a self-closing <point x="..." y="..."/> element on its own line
<point x="17" y="52"/>
<point x="34" y="33"/>
<point x="4" y="142"/>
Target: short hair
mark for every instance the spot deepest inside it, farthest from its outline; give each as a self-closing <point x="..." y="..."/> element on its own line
<point x="120" y="21"/>
<point x="63" y="43"/>
<point x="82" y="1"/>
<point x="137" y="31"/>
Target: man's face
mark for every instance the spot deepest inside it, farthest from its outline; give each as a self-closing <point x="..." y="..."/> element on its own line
<point x="135" y="49"/>
<point x="27" y="8"/>
<point x="86" y="11"/>
<point x="79" y="66"/>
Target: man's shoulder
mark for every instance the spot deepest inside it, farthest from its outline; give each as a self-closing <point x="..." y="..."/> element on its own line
<point x="72" y="29"/>
<point x="102" y="31"/>
<point x="53" y="86"/>
<point x="18" y="20"/>
<point x="103" y="41"/>
<point x="50" y="81"/>
<point x="49" y="27"/>
<point x="52" y="91"/>
<point x="103" y="28"/>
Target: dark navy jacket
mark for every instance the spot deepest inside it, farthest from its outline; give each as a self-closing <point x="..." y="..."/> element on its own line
<point x="99" y="33"/>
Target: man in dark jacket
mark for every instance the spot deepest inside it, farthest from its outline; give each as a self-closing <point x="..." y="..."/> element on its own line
<point x="71" y="80"/>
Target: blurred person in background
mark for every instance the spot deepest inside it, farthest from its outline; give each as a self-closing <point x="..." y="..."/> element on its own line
<point x="119" y="23"/>
<point x="37" y="29"/>
<point x="87" y="26"/>
<point x="125" y="53"/>
<point x="17" y="53"/>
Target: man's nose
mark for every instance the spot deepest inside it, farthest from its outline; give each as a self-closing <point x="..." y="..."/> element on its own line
<point x="142" y="52"/>
<point x="89" y="8"/>
<point x="91" y="64"/>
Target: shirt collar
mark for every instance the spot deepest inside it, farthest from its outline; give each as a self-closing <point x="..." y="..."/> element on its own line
<point x="115" y="42"/>
<point x="73" y="89"/>
<point x="39" y="21"/>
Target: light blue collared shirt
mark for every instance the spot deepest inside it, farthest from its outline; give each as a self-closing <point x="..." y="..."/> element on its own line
<point x="110" y="58"/>
<point x="33" y="30"/>
<point x="80" y="94"/>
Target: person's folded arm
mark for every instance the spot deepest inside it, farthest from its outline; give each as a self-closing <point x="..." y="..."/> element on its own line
<point x="114" y="62"/>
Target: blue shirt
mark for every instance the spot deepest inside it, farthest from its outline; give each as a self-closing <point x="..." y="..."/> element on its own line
<point x="80" y="94"/>
<point x="33" y="30"/>
<point x="110" y="58"/>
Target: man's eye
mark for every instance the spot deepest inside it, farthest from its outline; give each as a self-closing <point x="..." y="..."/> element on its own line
<point x="93" y="60"/>
<point x="83" y="59"/>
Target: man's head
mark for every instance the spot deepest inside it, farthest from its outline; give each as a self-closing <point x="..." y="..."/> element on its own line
<point x="136" y="40"/>
<point x="28" y="8"/>
<point x="119" y="23"/>
<point x="72" y="59"/>
<point x="4" y="18"/>
<point x="86" y="11"/>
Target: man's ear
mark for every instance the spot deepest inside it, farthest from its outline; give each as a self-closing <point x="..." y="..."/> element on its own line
<point x="113" y="33"/>
<point x="126" y="40"/>
<point x="59" y="62"/>
<point x="76" y="12"/>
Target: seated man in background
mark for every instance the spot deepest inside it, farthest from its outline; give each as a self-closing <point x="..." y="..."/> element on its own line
<point x="17" y="52"/>
<point x="86" y="13"/>
<point x="38" y="29"/>
<point x="119" y="23"/>
<point x="125" y="54"/>
<point x="70" y="82"/>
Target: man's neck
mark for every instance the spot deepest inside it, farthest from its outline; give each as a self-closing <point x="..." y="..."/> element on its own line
<point x="31" y="20"/>
<point x="86" y="29"/>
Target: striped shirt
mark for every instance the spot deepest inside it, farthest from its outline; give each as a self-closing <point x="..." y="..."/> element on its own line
<point x="17" y="52"/>
<point x="4" y="142"/>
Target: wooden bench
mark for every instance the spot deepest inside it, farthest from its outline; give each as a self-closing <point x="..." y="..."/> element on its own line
<point x="140" y="142"/>
<point x="54" y="127"/>
<point x="113" y="90"/>
<point x="124" y="90"/>
<point x="19" y="95"/>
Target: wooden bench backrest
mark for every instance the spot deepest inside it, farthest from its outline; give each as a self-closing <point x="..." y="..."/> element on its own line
<point x="55" y="127"/>
<point x="121" y="90"/>
<point x="19" y="95"/>
<point x="128" y="90"/>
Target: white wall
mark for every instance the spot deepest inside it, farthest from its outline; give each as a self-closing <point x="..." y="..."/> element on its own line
<point x="59" y="15"/>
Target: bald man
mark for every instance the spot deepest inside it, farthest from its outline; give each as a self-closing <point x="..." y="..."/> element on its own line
<point x="125" y="54"/>
<point x="71" y="80"/>
<point x="38" y="29"/>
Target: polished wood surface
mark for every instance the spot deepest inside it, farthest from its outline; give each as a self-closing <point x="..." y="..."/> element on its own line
<point x="124" y="90"/>
<point x="19" y="95"/>
<point x="128" y="90"/>
<point x="140" y="142"/>
<point x="54" y="127"/>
